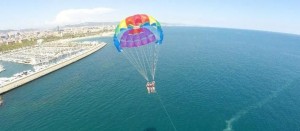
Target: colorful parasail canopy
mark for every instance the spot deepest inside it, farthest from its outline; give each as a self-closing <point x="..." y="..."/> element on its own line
<point x="138" y="38"/>
<point x="137" y="30"/>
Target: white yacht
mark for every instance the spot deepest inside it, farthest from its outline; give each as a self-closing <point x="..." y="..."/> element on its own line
<point x="1" y="68"/>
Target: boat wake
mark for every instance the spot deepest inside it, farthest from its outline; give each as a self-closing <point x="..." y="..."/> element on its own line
<point x="243" y="112"/>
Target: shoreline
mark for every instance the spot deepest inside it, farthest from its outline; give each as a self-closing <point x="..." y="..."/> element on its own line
<point x="68" y="40"/>
<point x="26" y="79"/>
<point x="106" y="34"/>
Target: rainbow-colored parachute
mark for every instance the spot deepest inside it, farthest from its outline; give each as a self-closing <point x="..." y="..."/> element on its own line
<point x="137" y="30"/>
<point x="138" y="37"/>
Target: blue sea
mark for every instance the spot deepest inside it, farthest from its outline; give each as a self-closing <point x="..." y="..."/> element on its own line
<point x="207" y="79"/>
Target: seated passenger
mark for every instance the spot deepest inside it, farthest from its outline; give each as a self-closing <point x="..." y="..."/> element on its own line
<point x="153" y="87"/>
<point x="153" y="83"/>
<point x="148" y="87"/>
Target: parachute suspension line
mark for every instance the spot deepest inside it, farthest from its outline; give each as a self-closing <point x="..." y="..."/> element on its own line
<point x="132" y="60"/>
<point x="130" y="56"/>
<point x="141" y="63"/>
<point x="142" y="54"/>
<point x="144" y="58"/>
<point x="127" y="56"/>
<point x="162" y="104"/>
<point x="155" y="59"/>
<point x="147" y="53"/>
<point x="150" y="57"/>
<point x="150" y="53"/>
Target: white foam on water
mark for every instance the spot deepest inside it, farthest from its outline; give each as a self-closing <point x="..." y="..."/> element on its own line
<point x="243" y="112"/>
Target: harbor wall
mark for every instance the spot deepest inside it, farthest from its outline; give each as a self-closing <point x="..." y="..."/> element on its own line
<point x="36" y="75"/>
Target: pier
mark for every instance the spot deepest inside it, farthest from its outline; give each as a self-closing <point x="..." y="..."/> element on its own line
<point x="51" y="68"/>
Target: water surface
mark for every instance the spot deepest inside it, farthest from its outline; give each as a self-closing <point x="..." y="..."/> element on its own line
<point x="205" y="77"/>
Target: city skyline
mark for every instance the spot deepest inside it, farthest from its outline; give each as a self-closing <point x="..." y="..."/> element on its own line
<point x="277" y="16"/>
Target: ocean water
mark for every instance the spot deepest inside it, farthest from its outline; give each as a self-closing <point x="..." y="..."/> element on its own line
<point x="208" y="79"/>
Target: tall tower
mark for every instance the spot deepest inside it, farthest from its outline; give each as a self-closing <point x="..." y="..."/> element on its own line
<point x="59" y="31"/>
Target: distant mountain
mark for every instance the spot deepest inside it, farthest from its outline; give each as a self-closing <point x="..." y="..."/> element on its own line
<point x="10" y="30"/>
<point x="5" y="31"/>
<point x="79" y="25"/>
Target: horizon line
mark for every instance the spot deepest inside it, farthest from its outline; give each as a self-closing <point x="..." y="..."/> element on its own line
<point x="163" y="23"/>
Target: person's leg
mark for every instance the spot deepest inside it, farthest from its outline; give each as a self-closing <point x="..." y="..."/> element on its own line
<point x="148" y="90"/>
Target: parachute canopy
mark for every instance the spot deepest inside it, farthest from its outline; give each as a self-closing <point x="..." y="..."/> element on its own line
<point x="138" y="37"/>
<point x="137" y="30"/>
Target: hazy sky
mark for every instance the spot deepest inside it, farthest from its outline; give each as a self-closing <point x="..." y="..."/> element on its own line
<point x="271" y="15"/>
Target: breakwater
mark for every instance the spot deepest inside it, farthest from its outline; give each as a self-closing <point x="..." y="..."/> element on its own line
<point x="21" y="81"/>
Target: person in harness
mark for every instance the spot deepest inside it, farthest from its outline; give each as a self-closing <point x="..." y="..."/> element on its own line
<point x="151" y="87"/>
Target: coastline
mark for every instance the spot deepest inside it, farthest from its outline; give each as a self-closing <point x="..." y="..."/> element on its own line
<point x="17" y="55"/>
<point x="106" y="34"/>
<point x="19" y="82"/>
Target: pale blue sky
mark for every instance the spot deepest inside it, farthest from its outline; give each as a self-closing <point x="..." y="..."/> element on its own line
<point x="270" y="15"/>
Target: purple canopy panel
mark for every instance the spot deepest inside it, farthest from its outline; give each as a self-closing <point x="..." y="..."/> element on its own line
<point x="144" y="38"/>
<point x="130" y="41"/>
<point x="134" y="40"/>
<point x="151" y="38"/>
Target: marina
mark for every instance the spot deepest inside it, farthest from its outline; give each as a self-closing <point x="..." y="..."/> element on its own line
<point x="46" y="59"/>
<point x="46" y="53"/>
